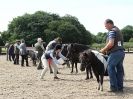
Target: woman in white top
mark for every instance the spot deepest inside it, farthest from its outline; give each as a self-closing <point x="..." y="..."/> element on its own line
<point x="52" y="54"/>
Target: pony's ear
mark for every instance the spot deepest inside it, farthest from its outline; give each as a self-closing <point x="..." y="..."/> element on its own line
<point x="71" y="45"/>
<point x="85" y="54"/>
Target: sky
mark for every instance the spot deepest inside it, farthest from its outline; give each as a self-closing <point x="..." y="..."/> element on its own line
<point x="90" y="13"/>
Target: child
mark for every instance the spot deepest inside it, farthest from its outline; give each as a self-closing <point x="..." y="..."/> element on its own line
<point x="52" y="54"/>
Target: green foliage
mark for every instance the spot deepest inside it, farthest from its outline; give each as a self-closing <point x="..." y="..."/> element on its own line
<point x="127" y="33"/>
<point x="128" y="44"/>
<point x="47" y="26"/>
<point x="131" y="40"/>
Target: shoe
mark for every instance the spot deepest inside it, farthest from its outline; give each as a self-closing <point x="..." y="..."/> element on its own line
<point x="51" y="72"/>
<point x="56" y="77"/>
<point x="39" y="68"/>
<point x="58" y="72"/>
<point x="120" y="90"/>
<point x="112" y="90"/>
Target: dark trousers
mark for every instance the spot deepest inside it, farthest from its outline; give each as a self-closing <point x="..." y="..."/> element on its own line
<point x="24" y="57"/>
<point x="11" y="57"/>
<point x="16" y="60"/>
<point x="39" y="55"/>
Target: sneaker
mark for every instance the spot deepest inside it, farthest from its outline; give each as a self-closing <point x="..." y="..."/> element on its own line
<point x="58" y="72"/>
<point x="56" y="77"/>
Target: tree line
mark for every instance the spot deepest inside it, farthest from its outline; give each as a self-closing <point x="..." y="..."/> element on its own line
<point x="48" y="26"/>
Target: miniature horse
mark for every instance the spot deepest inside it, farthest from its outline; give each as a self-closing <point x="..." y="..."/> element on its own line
<point x="73" y="54"/>
<point x="94" y="59"/>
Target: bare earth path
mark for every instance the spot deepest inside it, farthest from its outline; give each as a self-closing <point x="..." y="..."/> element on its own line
<point x="18" y="82"/>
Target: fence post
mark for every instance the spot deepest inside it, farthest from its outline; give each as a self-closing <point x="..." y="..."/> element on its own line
<point x="0" y="50"/>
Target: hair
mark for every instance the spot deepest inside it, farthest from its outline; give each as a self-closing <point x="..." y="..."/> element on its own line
<point x="58" y="39"/>
<point x="58" y="46"/>
<point x="109" y="21"/>
<point x="22" y="41"/>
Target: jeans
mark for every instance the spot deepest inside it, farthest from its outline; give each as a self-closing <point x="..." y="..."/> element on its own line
<point x="116" y="70"/>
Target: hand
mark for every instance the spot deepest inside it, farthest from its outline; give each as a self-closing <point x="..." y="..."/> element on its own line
<point x="64" y="63"/>
<point x="102" y="51"/>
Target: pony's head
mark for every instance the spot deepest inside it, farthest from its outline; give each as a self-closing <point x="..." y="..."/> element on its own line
<point x="85" y="58"/>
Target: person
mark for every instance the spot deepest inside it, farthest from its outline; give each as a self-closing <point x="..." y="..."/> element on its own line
<point x="16" y="52"/>
<point x="23" y="53"/>
<point x="7" y="45"/>
<point x="11" y="52"/>
<point x="39" y="49"/>
<point x="51" y="45"/>
<point x="51" y="54"/>
<point x="114" y="49"/>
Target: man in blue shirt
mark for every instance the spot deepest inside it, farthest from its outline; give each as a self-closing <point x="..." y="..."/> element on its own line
<point x="114" y="48"/>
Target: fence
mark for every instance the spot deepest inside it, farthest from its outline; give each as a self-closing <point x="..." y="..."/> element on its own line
<point x="3" y="49"/>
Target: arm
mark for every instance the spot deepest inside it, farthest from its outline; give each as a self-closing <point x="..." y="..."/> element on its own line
<point x="110" y="43"/>
<point x="108" y="46"/>
<point x="54" y="59"/>
<point x="63" y="57"/>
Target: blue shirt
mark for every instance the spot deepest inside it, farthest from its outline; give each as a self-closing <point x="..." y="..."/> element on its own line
<point x="111" y="34"/>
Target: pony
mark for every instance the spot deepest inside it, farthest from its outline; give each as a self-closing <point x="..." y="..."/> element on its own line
<point x="73" y="54"/>
<point x="95" y="60"/>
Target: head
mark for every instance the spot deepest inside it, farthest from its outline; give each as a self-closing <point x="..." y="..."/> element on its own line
<point x="57" y="48"/>
<point x="22" y="41"/>
<point x="18" y="41"/>
<point x="109" y="24"/>
<point x="84" y="60"/>
<point x="58" y="40"/>
<point x="39" y="40"/>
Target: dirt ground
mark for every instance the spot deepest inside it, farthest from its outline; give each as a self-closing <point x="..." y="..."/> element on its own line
<point x="18" y="82"/>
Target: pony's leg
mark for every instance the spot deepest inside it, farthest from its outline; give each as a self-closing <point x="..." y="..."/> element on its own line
<point x="72" y="67"/>
<point x="76" y="67"/>
<point x="87" y="73"/>
<point x="97" y="77"/>
<point x="90" y="70"/>
<point x="101" y="82"/>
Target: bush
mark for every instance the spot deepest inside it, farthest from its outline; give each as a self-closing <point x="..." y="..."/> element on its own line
<point x="131" y="40"/>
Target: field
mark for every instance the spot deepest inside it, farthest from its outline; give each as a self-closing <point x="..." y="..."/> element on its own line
<point x="18" y="82"/>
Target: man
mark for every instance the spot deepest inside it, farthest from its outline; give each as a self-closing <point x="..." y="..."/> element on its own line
<point x="16" y="52"/>
<point x="11" y="52"/>
<point x="7" y="45"/>
<point x="114" y="49"/>
<point x="23" y="52"/>
<point x="39" y="49"/>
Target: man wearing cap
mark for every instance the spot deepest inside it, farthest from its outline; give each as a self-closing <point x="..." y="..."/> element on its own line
<point x="114" y="49"/>
<point x="39" y="50"/>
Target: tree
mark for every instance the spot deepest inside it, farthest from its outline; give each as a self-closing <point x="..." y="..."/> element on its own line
<point x="48" y="26"/>
<point x="127" y="33"/>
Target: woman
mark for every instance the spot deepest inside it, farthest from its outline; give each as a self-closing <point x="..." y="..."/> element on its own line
<point x="52" y="54"/>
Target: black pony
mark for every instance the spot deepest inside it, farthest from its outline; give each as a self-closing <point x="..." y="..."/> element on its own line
<point x="94" y="59"/>
<point x="73" y="54"/>
<point x="33" y="56"/>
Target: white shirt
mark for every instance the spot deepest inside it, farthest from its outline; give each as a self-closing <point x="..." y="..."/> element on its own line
<point x="50" y="52"/>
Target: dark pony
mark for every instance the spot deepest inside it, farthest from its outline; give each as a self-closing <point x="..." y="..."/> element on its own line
<point x="73" y="54"/>
<point x="94" y="59"/>
<point x="33" y="56"/>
